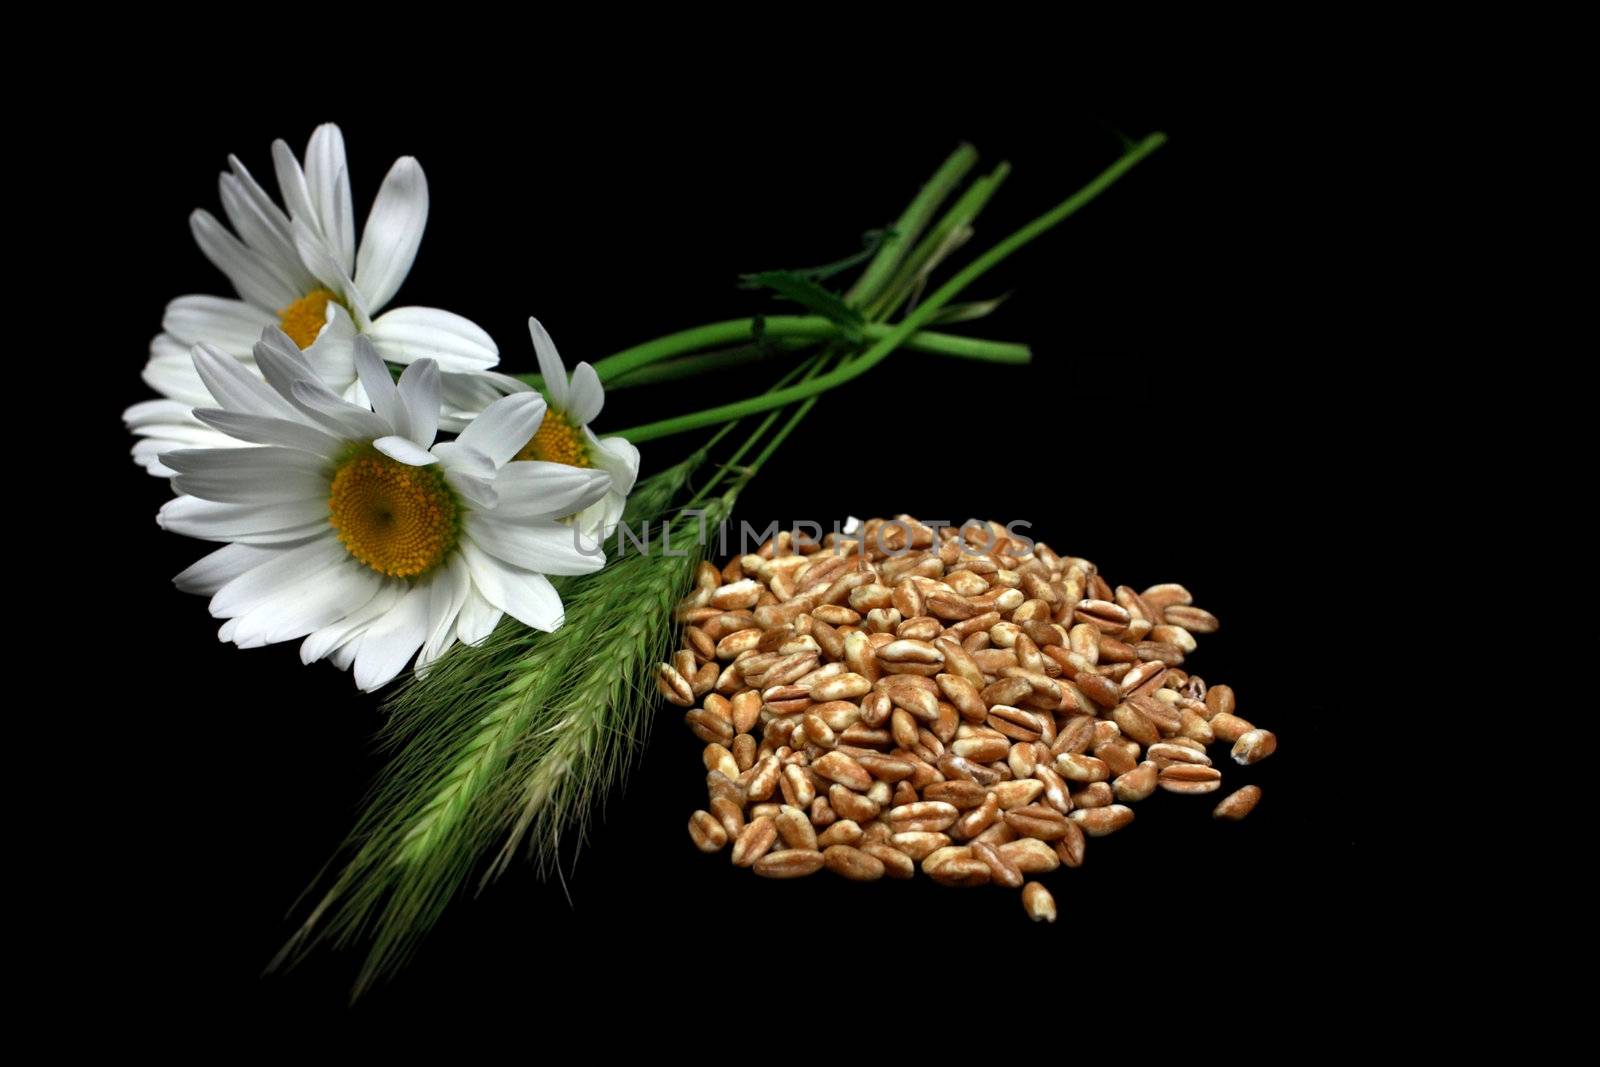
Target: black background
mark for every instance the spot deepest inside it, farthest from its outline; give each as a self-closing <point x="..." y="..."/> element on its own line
<point x="1187" y="417"/>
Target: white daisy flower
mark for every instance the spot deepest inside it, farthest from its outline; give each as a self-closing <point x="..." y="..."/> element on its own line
<point x="348" y="527"/>
<point x="564" y="435"/>
<point x="301" y="270"/>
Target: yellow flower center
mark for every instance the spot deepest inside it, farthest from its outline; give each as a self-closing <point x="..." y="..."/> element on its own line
<point x="557" y="441"/>
<point x="304" y="319"/>
<point x="397" y="519"/>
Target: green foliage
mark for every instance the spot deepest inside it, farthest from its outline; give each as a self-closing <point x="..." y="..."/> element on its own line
<point x="810" y="295"/>
<point x="871" y="242"/>
<point x="440" y="804"/>
<point x="967" y="312"/>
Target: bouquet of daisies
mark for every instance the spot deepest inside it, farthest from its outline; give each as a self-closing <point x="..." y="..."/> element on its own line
<point x="381" y="493"/>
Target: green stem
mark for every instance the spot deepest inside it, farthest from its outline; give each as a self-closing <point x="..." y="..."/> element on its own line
<point x="917" y="318"/>
<point x="910" y="225"/>
<point x="921" y="260"/>
<point x="711" y="335"/>
<point x="689" y="366"/>
<point x="756" y="464"/>
<point x="784" y="327"/>
<point x="811" y="368"/>
<point x="943" y="344"/>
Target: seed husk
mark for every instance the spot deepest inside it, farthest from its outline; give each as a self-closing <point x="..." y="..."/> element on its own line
<point x="754" y="841"/>
<point x="840" y="832"/>
<point x="896" y="864"/>
<point x="1070" y="848"/>
<point x="1030" y="855"/>
<point x="1237" y="804"/>
<point x="1098" y="822"/>
<point x="789" y="863"/>
<point x="1038" y="903"/>
<point x="706" y="832"/>
<point x="1228" y="727"/>
<point x="1137" y="784"/>
<point x="857" y="865"/>
<point x="1075" y="768"/>
<point x="1254" y="746"/>
<point x="1190" y="778"/>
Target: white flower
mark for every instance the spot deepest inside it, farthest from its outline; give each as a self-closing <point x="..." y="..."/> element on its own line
<point x="302" y="271"/>
<point x="349" y="527"/>
<point x="564" y="435"/>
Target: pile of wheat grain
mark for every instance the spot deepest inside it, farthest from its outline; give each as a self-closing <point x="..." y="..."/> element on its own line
<point x="961" y="698"/>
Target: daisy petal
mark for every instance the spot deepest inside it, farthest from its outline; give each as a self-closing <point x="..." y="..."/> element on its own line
<point x="533" y="489"/>
<point x="550" y="365"/>
<point x="235" y="388"/>
<point x="268" y="475"/>
<point x="308" y="602"/>
<point x="462" y="459"/>
<point x="471" y="473"/>
<point x="392" y="640"/>
<point x="620" y="460"/>
<point x="548" y="548"/>
<point x="404" y="450"/>
<point x="504" y="383"/>
<point x="393" y="232"/>
<point x="337" y="416"/>
<point x="335" y="636"/>
<point x="265" y="230"/>
<point x="231" y="325"/>
<point x="403" y="335"/>
<point x="155" y="412"/>
<point x="261" y="524"/>
<point x="419" y="394"/>
<point x="269" y="216"/>
<point x="260" y="430"/>
<point x="328" y="184"/>
<point x="585" y="396"/>
<point x="292" y="182"/>
<point x="147" y="454"/>
<point x="478" y="618"/>
<point x="170" y="372"/>
<point x="534" y="602"/>
<point x="380" y="387"/>
<point x="505" y="426"/>
<point x="286" y="369"/>
<point x="526" y="596"/>
<point x="447" y="592"/>
<point x="321" y="260"/>
<point x="281" y="567"/>
<point x="280" y="358"/>
<point x="464" y="396"/>
<point x="332" y="356"/>
<point x="599" y="520"/>
<point x="250" y="274"/>
<point x="211" y="572"/>
<point x="618" y="457"/>
<point x="175" y="422"/>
